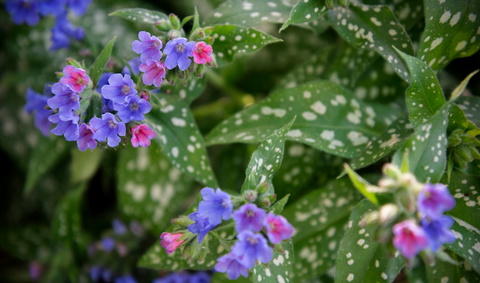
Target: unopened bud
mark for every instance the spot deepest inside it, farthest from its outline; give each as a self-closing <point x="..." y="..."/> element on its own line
<point x="407" y="179"/>
<point x="266" y="201"/>
<point x="250" y="195"/>
<point x="175" y="21"/>
<point x="71" y="61"/>
<point x="59" y="75"/>
<point x="172" y="34"/>
<point x="454" y="140"/>
<point x="262" y="188"/>
<point x="391" y="170"/>
<point x="145" y="96"/>
<point x="329" y="4"/>
<point x="163" y="25"/>
<point x="388" y="213"/>
<point x="238" y="201"/>
<point x="197" y="34"/>
<point x="369" y="218"/>
<point x="200" y="71"/>
<point x="182" y="221"/>
<point x="464" y="152"/>
<point x="209" y="40"/>
<point x="344" y="3"/>
<point x="208" y="30"/>
<point x="387" y="183"/>
<point x="407" y="199"/>
<point x="466" y="139"/>
<point x="474" y="152"/>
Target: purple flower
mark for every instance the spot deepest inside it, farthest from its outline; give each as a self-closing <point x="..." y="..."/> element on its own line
<point x="69" y="129"/>
<point x="108" y="244"/>
<point x="95" y="273"/>
<point x="35" y="269"/>
<point x="232" y="265"/>
<point x="409" y="238"/>
<point x="52" y="7"/>
<point x="278" y="228"/>
<point x="173" y="278"/>
<point x="215" y="206"/>
<point x="65" y="100"/>
<point x="149" y="47"/>
<point x="75" y="78"/>
<point x="253" y="247"/>
<point x="23" y="11"/>
<point x="133" y="108"/>
<point x="200" y="277"/>
<point x="126" y="279"/>
<point x="178" y="50"/>
<point x="79" y="7"/>
<point x="438" y="231"/>
<point x="108" y="127"/>
<point x="63" y="30"/>
<point x="102" y="81"/>
<point x="434" y="200"/>
<point x="42" y="122"/>
<point x="119" y="227"/>
<point x="201" y="226"/>
<point x="36" y="103"/>
<point x="107" y="275"/>
<point x="85" y="139"/>
<point x="119" y="88"/>
<point x="141" y="135"/>
<point x="154" y="72"/>
<point x="249" y="217"/>
<point x="134" y="64"/>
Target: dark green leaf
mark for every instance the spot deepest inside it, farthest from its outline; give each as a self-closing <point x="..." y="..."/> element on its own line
<point x="279" y="269"/>
<point x="456" y="119"/>
<point x="465" y="189"/>
<point x="188" y="93"/>
<point x="138" y="15"/>
<point x="196" y="20"/>
<point x="470" y="106"/>
<point x="96" y="70"/>
<point x="306" y="11"/>
<point x="278" y="207"/>
<point x="445" y="272"/>
<point x="95" y="107"/>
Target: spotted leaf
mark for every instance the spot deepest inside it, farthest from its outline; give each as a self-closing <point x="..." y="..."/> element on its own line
<point x="330" y="118"/>
<point x="383" y="267"/>
<point x="147" y="185"/>
<point x="424" y="96"/>
<point x="266" y="160"/>
<point x="467" y="243"/>
<point x="188" y="93"/>
<point x="139" y="15"/>
<point x="442" y="271"/>
<point x="456" y="119"/>
<point x="465" y="190"/>
<point x="470" y="106"/>
<point x="375" y="28"/>
<point x="178" y="135"/>
<point x="451" y="29"/>
<point x="306" y="11"/>
<point x="232" y="39"/>
<point x="279" y="269"/>
<point x="408" y="12"/>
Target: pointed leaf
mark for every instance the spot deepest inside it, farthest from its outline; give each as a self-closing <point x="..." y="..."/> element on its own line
<point x="279" y="269"/>
<point x="361" y="184"/>
<point x="461" y="87"/>
<point x="470" y="106"/>
<point x="138" y="15"/>
<point x="196" y="20"/>
<point x="96" y="70"/>
<point x="188" y="93"/>
<point x="456" y="119"/>
<point x="278" y="207"/>
<point x="306" y="11"/>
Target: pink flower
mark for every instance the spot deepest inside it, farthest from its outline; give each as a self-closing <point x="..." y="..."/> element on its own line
<point x="201" y="53"/>
<point x="154" y="72"/>
<point x="141" y="135"/>
<point x="409" y="238"/>
<point x="278" y="228"/>
<point x="170" y="242"/>
<point x="75" y="78"/>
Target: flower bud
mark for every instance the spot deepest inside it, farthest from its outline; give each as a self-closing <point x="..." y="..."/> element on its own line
<point x="344" y="3"/>
<point x="454" y="140"/>
<point x="71" y="61"/>
<point x="175" y="21"/>
<point x="460" y="160"/>
<point x="407" y="199"/>
<point x="208" y="30"/>
<point x="266" y="201"/>
<point x="391" y="170"/>
<point x="388" y="213"/>
<point x="369" y="218"/>
<point x="238" y="201"/>
<point x="408" y="179"/>
<point x="464" y="152"/>
<point x="209" y="40"/>
<point x="59" y="75"/>
<point x="182" y="221"/>
<point x="197" y="34"/>
<point x="262" y="188"/>
<point x="250" y="195"/>
<point x="163" y="25"/>
<point x="172" y="34"/>
<point x="387" y="183"/>
<point x="329" y="4"/>
<point x="200" y="71"/>
<point x="466" y="139"/>
<point x="475" y="153"/>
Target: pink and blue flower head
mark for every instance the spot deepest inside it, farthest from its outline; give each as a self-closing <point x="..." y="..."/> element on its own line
<point x="52" y="7"/>
<point x="278" y="228"/>
<point x="119" y="228"/>
<point x="201" y="226"/>
<point x="85" y="139"/>
<point x="63" y="30"/>
<point x="149" y="47"/>
<point x="215" y="205"/>
<point x="133" y="108"/>
<point x="249" y="217"/>
<point x="141" y="135"/>
<point x="170" y="242"/>
<point x="434" y="200"/>
<point x="232" y="265"/>
<point x="69" y="129"/>
<point x="108" y="244"/>
<point x="74" y="78"/>
<point x="201" y="53"/>
<point x="79" y="7"/>
<point x="252" y="246"/>
<point x="65" y="100"/>
<point x="438" y="231"/>
<point x="118" y="88"/>
<point x="409" y="238"/>
<point x="36" y="103"/>
<point x="178" y="50"/>
<point x="23" y="11"/>
<point x="108" y="127"/>
<point x="154" y="72"/>
<point x="125" y="279"/>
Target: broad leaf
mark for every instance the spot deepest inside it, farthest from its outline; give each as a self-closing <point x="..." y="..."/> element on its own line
<point x="330" y="118"/>
<point x="180" y="139"/>
<point x="466" y="245"/>
<point x="266" y="160"/>
<point x="96" y="70"/>
<point x="149" y="188"/>
<point x="456" y="119"/>
<point x="138" y="15"/>
<point x="232" y="39"/>
<point x="84" y="164"/>
<point x="451" y="30"/>
<point x="470" y="106"/>
<point x="374" y="28"/>
<point x="445" y="272"/>
<point x="465" y="189"/>
<point x="189" y="93"/>
<point x="306" y="11"/>
<point x="279" y="269"/>
<point x="383" y="267"/>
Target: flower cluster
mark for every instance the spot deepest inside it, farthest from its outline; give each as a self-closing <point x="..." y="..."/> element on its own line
<point x="29" y="11"/>
<point x="252" y="223"/>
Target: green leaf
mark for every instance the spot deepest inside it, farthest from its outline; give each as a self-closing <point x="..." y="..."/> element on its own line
<point x="384" y="267"/>
<point x="188" y="93"/>
<point x="456" y="119"/>
<point x="196" y="20"/>
<point x="278" y="207"/>
<point x="46" y="154"/>
<point x="396" y="134"/>
<point x="84" y="164"/>
<point x="470" y="106"/>
<point x="451" y="29"/>
<point x="361" y="184"/>
<point x="96" y="70"/>
<point x="330" y="118"/>
<point x="178" y="135"/>
<point x="442" y="271"/>
<point x="138" y="15"/>
<point x="95" y="107"/>
<point x="306" y="11"/>
<point x="149" y="187"/>
<point x="232" y="39"/>
<point x="374" y="28"/>
<point x="31" y="242"/>
<point x="465" y="189"/>
<point x="266" y="160"/>
<point x="279" y="269"/>
<point x="424" y="96"/>
<point x="461" y="87"/>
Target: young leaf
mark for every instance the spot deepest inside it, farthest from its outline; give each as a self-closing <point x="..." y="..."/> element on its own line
<point x="470" y="106"/>
<point x="306" y="11"/>
<point x="279" y="269"/>
<point x="466" y="245"/>
<point x="138" y="15"/>
<point x="361" y="184"/>
<point x="266" y="160"/>
<point x="196" y="20"/>
<point x="465" y="189"/>
<point x="330" y="118"/>
<point x="451" y="29"/>
<point x="180" y="139"/>
<point x="232" y="39"/>
<point x="374" y="28"/>
<point x="96" y="70"/>
<point x="461" y="87"/>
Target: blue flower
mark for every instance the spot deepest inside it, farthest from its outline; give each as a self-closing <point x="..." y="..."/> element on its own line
<point x="434" y="200"/>
<point x="108" y="244"/>
<point x="249" y="217"/>
<point x="119" y="88"/>
<point x="133" y="108"/>
<point x="201" y="226"/>
<point x="149" y="47"/>
<point x="252" y="247"/>
<point x="215" y="206"/>
<point x="107" y="275"/>
<point x="134" y="64"/>
<point x="63" y="30"/>
<point x="178" y="50"/>
<point x="173" y="278"/>
<point x="102" y="81"/>
<point x="85" y="139"/>
<point x="23" y="11"/>
<point x="119" y="227"/>
<point x="232" y="265"/>
<point x="95" y="273"/>
<point x="126" y="279"/>
<point x="108" y="127"/>
<point x="200" y="277"/>
<point x="52" y="7"/>
<point x="65" y="100"/>
<point x="36" y="103"/>
<point x="438" y="231"/>
<point x="69" y="129"/>
<point x="79" y="7"/>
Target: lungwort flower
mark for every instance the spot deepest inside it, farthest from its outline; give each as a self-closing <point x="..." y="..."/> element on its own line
<point x="252" y="247"/>
<point x="215" y="206"/>
<point x="74" y="78"/>
<point x="232" y="265"/>
<point x="409" y="238"/>
<point x="249" y="217"/>
<point x="141" y="135"/>
<point x="278" y="228"/>
<point x="178" y="50"/>
<point x="434" y="200"/>
<point x="170" y="242"/>
<point x="201" y="53"/>
<point x="149" y="47"/>
<point x="108" y="127"/>
<point x="119" y="88"/>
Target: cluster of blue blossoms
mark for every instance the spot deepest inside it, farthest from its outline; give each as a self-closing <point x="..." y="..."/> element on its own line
<point x="250" y="221"/>
<point x="29" y="11"/>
